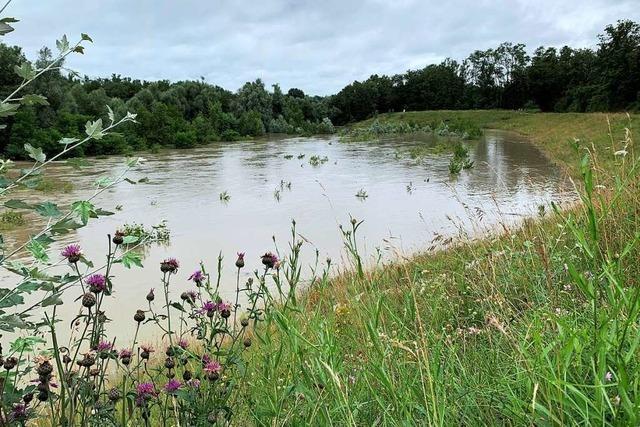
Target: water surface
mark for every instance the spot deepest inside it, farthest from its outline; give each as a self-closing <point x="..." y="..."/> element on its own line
<point x="410" y="202"/>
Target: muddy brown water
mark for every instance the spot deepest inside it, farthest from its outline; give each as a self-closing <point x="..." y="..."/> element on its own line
<point x="410" y="201"/>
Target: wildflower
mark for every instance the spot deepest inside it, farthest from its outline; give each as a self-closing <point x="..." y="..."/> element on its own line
<point x="19" y="412"/>
<point x="44" y="368"/>
<point x="88" y="300"/>
<point x="150" y="295"/>
<point x="172" y="386"/>
<point x="183" y="343"/>
<point x="224" y="309"/>
<point x="169" y="363"/>
<point x="240" y="260"/>
<point x="114" y="395"/>
<point x="139" y="316"/>
<point x="169" y="265"/>
<point x="125" y="356"/>
<point x="10" y="363"/>
<point x="104" y="346"/>
<point x="189" y="296"/>
<point x="269" y="260"/>
<point x="97" y="283"/>
<point x="87" y="361"/>
<point x="608" y="376"/>
<point x="209" y="308"/>
<point x="72" y="253"/>
<point x="197" y="276"/>
<point x="145" y="391"/>
<point x="118" y="238"/>
<point x="213" y="366"/>
<point x="205" y="359"/>
<point x="146" y="351"/>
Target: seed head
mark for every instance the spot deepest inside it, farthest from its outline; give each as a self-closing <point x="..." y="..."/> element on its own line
<point x="88" y="300"/>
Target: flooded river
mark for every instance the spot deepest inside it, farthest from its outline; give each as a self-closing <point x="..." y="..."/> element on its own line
<point x="409" y="202"/>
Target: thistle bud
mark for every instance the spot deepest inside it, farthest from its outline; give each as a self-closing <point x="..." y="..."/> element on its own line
<point x="247" y="342"/>
<point x="10" y="363"/>
<point x="88" y="300"/>
<point x="139" y="316"/>
<point x="118" y="238"/>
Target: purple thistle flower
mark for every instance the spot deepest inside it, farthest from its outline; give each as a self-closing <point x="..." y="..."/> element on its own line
<point x="147" y="347"/>
<point x="169" y="265"/>
<point x="172" y="386"/>
<point x="205" y="359"/>
<point x="104" y="346"/>
<point x="125" y="352"/>
<point x="19" y="412"/>
<point x="96" y="282"/>
<point x="269" y="260"/>
<point x="183" y="343"/>
<point x="213" y="367"/>
<point x="240" y="260"/>
<point x="208" y="307"/>
<point x="222" y="306"/>
<point x="72" y="253"/>
<point x="145" y="389"/>
<point x="197" y="276"/>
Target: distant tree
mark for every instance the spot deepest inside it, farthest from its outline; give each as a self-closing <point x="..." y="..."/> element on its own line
<point x="295" y="93"/>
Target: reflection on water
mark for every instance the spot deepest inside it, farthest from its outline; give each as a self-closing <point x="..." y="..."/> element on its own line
<point x="510" y="179"/>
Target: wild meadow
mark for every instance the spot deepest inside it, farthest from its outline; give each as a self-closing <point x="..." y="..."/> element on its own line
<point x="536" y="323"/>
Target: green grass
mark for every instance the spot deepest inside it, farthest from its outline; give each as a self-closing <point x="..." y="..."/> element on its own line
<point x="537" y="326"/>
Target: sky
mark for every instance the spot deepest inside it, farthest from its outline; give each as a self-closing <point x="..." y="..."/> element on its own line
<point x="318" y="46"/>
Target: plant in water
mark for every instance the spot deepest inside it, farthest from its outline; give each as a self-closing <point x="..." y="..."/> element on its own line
<point x="362" y="194"/>
<point x="224" y="196"/>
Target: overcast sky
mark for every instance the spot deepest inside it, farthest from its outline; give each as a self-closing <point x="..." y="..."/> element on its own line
<point x="316" y="45"/>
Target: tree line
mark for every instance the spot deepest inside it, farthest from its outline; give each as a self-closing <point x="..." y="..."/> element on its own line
<point x="189" y="113"/>
<point x="606" y="78"/>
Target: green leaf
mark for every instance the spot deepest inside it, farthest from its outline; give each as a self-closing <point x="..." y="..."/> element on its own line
<point x="177" y="306"/>
<point x="9" y="298"/>
<point x="94" y="129"/>
<point x="64" y="226"/>
<point x="48" y="210"/>
<point x="5" y="28"/>
<point x="35" y="153"/>
<point x="86" y="37"/>
<point x="25" y="70"/>
<point x="103" y="181"/>
<point x="17" y="204"/>
<point x="110" y="114"/>
<point x="62" y="44"/>
<point x="33" y="99"/>
<point x="128" y="240"/>
<point x="53" y="299"/>
<point x="11" y="322"/>
<point x="129" y="259"/>
<point x="79" y="49"/>
<point x="8" y="109"/>
<point x="26" y="344"/>
<point x="85" y="210"/>
<point x="67" y="141"/>
<point x="37" y="250"/>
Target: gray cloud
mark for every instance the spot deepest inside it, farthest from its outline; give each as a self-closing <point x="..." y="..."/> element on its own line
<point x="318" y="46"/>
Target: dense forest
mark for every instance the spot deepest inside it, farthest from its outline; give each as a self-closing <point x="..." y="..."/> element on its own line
<point x="188" y="113"/>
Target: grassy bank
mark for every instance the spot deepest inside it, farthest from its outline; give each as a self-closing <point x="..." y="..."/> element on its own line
<point x="536" y="327"/>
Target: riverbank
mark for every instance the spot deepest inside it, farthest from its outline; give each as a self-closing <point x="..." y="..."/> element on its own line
<point x="536" y="326"/>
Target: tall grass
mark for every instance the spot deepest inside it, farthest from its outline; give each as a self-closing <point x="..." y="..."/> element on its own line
<point x="536" y="326"/>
